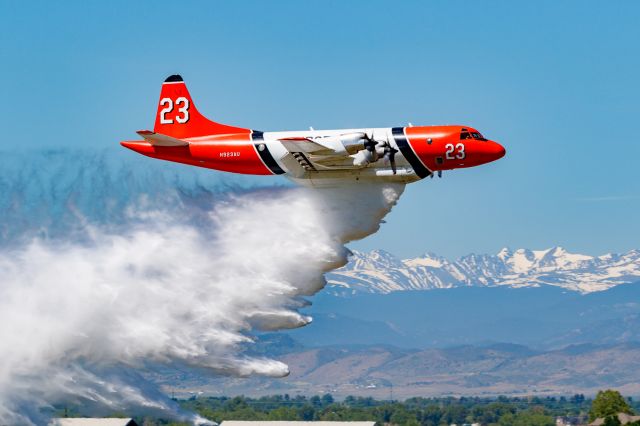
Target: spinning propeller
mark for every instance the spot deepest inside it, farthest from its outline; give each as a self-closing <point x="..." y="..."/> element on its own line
<point x="375" y="149"/>
<point x="370" y="146"/>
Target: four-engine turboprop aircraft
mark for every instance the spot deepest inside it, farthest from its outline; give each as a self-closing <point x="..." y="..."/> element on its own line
<point x="314" y="157"/>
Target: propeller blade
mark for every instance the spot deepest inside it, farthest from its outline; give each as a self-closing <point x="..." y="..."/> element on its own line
<point x="369" y="143"/>
<point x="392" y="159"/>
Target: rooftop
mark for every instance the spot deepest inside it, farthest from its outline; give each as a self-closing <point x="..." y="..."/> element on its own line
<point x="90" y="421"/>
<point x="623" y="417"/>
<point x="292" y="423"/>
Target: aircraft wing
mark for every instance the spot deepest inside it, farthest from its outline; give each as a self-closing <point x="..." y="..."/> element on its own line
<point x="305" y="156"/>
<point x="158" y="139"/>
<point x="306" y="145"/>
<point x="300" y="148"/>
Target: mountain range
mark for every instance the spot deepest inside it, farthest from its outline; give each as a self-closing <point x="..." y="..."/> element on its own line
<point x="495" y="340"/>
<point x="381" y="272"/>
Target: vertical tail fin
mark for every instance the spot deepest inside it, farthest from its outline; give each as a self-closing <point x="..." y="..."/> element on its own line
<point x="178" y="117"/>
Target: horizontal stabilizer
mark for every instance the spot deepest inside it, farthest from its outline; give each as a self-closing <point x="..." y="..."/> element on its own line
<point x="158" y="139"/>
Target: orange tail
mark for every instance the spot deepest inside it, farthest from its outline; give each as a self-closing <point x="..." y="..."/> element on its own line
<point x="178" y="117"/>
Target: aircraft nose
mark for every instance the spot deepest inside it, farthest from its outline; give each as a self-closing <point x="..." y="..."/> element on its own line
<point x="501" y="151"/>
<point x="496" y="151"/>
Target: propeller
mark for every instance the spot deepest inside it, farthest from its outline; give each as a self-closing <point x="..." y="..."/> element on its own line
<point x="390" y="155"/>
<point x="370" y="145"/>
<point x="374" y="150"/>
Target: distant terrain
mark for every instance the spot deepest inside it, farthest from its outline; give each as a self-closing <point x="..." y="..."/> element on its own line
<point x="450" y="342"/>
<point x="387" y="372"/>
<point x="482" y="340"/>
<point x="545" y="318"/>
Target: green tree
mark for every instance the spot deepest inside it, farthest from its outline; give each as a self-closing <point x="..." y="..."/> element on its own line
<point x="403" y="417"/>
<point x="491" y="413"/>
<point x="454" y="414"/>
<point x="306" y="412"/>
<point x="283" y="413"/>
<point x="531" y="417"/>
<point x="316" y="401"/>
<point x="327" y="399"/>
<point x="612" y="421"/>
<point x="608" y="403"/>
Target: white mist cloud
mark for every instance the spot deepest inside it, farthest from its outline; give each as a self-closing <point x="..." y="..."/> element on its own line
<point x="78" y="319"/>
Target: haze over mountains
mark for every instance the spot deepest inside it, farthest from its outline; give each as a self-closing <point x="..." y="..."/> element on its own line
<point x="388" y="372"/>
<point x="381" y="272"/>
<point x="476" y="340"/>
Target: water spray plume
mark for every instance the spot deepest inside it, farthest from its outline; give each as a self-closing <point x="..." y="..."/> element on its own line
<point x="80" y="316"/>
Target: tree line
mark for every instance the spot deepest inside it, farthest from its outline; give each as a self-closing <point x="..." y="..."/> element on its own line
<point x="501" y="411"/>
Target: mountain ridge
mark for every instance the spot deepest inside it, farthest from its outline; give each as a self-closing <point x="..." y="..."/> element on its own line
<point x="379" y="271"/>
<point x="386" y="371"/>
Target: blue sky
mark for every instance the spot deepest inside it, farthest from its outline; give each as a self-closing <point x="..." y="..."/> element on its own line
<point x="555" y="82"/>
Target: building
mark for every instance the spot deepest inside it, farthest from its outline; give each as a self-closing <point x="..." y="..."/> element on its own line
<point x="90" y="421"/>
<point x="571" y="420"/>
<point x="623" y="417"/>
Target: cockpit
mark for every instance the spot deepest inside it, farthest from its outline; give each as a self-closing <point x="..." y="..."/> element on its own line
<point x="466" y="134"/>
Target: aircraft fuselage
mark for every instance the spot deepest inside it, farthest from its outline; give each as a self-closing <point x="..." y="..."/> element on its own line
<point x="317" y="157"/>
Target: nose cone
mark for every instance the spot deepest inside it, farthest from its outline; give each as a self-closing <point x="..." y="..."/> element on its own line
<point x="499" y="150"/>
<point x="494" y="151"/>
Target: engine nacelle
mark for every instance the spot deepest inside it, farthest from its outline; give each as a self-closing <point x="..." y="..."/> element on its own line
<point x="353" y="142"/>
<point x="362" y="158"/>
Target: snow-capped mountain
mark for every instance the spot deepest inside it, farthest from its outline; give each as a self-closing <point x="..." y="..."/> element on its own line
<point x="381" y="272"/>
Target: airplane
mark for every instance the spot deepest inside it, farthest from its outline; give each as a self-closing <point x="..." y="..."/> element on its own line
<point x="311" y="157"/>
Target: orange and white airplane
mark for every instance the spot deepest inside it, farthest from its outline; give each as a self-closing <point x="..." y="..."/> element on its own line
<point x="313" y="157"/>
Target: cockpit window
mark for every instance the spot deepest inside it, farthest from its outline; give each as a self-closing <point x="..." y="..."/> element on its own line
<point x="478" y="136"/>
<point x="471" y="135"/>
